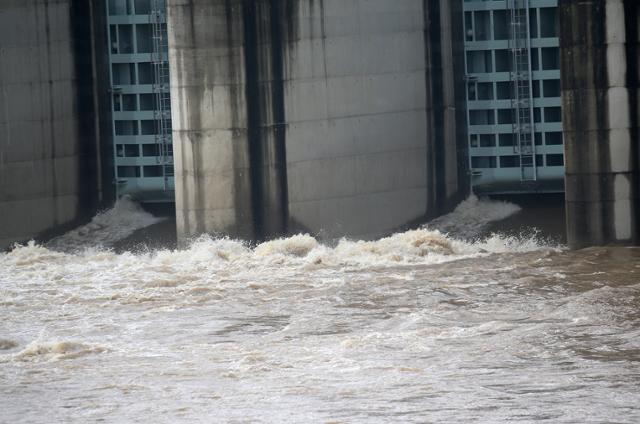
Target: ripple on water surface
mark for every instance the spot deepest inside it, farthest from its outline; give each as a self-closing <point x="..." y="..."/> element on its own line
<point x="416" y="327"/>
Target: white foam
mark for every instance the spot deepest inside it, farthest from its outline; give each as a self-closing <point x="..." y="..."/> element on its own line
<point x="51" y="351"/>
<point x="206" y="254"/>
<point x="223" y="255"/>
<point x="419" y="246"/>
<point x="106" y="228"/>
<point x="31" y="255"/>
<point x="298" y="245"/>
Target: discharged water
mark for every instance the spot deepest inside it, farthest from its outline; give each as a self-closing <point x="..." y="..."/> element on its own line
<point x="416" y="327"/>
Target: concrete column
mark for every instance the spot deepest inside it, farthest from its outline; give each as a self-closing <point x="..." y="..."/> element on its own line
<point x="312" y="115"/>
<point x="598" y="40"/>
<point x="209" y="118"/>
<point x="447" y="141"/>
<point x="457" y="179"/>
<point x="54" y="115"/>
<point x="266" y="25"/>
<point x="226" y="94"/>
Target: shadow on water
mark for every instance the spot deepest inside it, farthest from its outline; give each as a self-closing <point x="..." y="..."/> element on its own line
<point x="161" y="235"/>
<point x="544" y="212"/>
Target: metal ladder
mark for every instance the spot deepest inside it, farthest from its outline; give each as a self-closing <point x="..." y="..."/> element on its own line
<point x="162" y="107"/>
<point x="522" y="85"/>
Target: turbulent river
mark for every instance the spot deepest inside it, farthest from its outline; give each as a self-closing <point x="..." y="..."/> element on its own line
<point x="416" y="327"/>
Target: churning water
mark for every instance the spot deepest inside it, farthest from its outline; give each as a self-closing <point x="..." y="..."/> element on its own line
<point x="416" y="327"/>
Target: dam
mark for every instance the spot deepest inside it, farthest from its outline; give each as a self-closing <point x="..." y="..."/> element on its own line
<point x="316" y="153"/>
<point x="289" y="85"/>
<point x="260" y="118"/>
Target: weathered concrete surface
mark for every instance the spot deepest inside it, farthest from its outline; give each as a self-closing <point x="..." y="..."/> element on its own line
<point x="50" y="136"/>
<point x="599" y="59"/>
<point x="333" y="117"/>
<point x="209" y="116"/>
<point x="370" y="108"/>
<point x="446" y="106"/>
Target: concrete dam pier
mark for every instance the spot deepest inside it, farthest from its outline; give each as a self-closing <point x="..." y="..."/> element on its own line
<point x="337" y="118"/>
<point x="600" y="76"/>
<point x="332" y="117"/>
<point x="54" y="113"/>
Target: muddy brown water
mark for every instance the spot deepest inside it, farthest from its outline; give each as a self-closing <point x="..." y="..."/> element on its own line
<point x="418" y="327"/>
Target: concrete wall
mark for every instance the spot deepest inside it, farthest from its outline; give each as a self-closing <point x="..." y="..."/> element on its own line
<point x="334" y="117"/>
<point x="209" y="117"/>
<point x="600" y="74"/>
<point x="447" y="140"/>
<point x="361" y="137"/>
<point x="50" y="138"/>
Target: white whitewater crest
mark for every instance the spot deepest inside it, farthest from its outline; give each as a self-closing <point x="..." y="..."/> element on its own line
<point x="106" y="228"/>
<point x="419" y="326"/>
<point x="208" y="257"/>
<point x="472" y="216"/>
<point x="445" y="239"/>
<point x="449" y="237"/>
<point x="53" y="351"/>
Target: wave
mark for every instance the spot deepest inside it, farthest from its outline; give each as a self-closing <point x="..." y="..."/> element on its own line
<point x="413" y="247"/>
<point x="54" y="351"/>
<point x="6" y="344"/>
<point x="106" y="228"/>
<point x="472" y="216"/>
<point x="444" y="239"/>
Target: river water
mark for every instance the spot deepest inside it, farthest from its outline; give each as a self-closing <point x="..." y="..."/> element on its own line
<point x="416" y="327"/>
